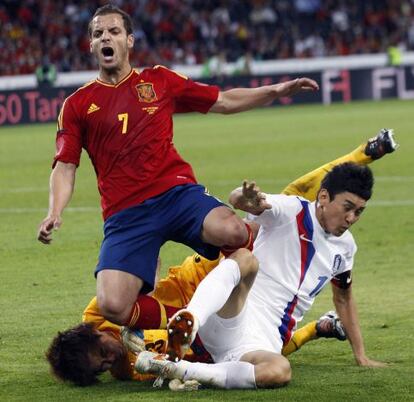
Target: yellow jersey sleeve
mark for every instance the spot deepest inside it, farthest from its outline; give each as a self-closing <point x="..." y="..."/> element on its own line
<point x="181" y="282"/>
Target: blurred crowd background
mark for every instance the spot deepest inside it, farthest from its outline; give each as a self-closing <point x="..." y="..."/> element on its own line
<point x="41" y="32"/>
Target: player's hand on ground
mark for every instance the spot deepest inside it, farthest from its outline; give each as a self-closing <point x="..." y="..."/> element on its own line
<point x="48" y="225"/>
<point x="133" y="340"/>
<point x="254" y="198"/>
<point x="290" y="88"/>
<point x="366" y="362"/>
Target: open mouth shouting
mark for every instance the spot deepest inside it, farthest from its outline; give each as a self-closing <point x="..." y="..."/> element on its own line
<point x="108" y="54"/>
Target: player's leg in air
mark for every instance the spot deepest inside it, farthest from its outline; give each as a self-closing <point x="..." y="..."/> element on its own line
<point x="225" y="288"/>
<point x="375" y="148"/>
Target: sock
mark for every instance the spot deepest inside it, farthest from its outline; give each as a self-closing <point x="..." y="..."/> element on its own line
<point x="214" y="290"/>
<point x="228" y="250"/>
<point x="290" y="348"/>
<point x="148" y="313"/>
<point x="307" y="186"/>
<point x="229" y="375"/>
<point x="300" y="337"/>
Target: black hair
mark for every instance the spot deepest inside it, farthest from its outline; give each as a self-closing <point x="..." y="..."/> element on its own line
<point x="349" y="177"/>
<point x="68" y="355"/>
<point x="111" y="9"/>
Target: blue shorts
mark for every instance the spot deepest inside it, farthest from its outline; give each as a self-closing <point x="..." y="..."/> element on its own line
<point x="134" y="236"/>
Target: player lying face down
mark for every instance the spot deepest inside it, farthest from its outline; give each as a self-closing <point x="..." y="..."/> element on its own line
<point x="82" y="353"/>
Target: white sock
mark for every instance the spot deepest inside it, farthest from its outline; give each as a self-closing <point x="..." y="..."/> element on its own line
<point x="214" y="290"/>
<point x="229" y="375"/>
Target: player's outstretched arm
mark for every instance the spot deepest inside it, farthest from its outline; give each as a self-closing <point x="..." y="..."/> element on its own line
<point x="241" y="99"/>
<point x="346" y="309"/>
<point x="249" y="198"/>
<point x="62" y="181"/>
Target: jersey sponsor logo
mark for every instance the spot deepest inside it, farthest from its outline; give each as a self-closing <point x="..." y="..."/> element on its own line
<point x="146" y="92"/>
<point x="304" y="238"/>
<point x="93" y="108"/>
<point x="336" y="263"/>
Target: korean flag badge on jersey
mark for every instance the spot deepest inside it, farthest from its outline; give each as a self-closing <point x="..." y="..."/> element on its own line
<point x="337" y="263"/>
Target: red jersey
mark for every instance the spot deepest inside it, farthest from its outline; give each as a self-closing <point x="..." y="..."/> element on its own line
<point x="127" y="130"/>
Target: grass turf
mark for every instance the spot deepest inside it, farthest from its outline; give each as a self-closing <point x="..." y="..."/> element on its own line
<point x="44" y="289"/>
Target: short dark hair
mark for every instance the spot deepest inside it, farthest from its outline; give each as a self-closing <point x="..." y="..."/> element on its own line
<point x="349" y="177"/>
<point x="68" y="354"/>
<point x="111" y="9"/>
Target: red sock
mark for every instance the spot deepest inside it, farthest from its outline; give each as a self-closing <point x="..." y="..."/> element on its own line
<point x="227" y="250"/>
<point x="149" y="313"/>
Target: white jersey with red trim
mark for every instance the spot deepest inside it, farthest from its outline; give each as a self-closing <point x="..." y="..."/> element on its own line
<point x="297" y="258"/>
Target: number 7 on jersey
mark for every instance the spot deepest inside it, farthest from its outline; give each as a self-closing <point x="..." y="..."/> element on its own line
<point x="124" y="118"/>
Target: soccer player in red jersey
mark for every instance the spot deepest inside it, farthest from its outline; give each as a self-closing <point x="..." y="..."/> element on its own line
<point x="149" y="194"/>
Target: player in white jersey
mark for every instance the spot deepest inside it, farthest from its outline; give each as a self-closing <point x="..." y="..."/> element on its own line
<point x="297" y="259"/>
<point x="301" y="246"/>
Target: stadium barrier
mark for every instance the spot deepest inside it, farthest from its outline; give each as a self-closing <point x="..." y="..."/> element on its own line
<point x="41" y="105"/>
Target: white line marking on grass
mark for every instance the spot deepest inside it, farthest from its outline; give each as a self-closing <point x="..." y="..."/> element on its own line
<point x="378" y="203"/>
<point x="24" y="190"/>
<point x="35" y="210"/>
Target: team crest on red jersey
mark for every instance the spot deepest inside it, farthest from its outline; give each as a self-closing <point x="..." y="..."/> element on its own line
<point x="146" y="92"/>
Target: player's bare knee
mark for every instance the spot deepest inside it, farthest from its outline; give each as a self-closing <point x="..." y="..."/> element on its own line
<point x="283" y="373"/>
<point x="235" y="231"/>
<point x="272" y="375"/>
<point x="113" y="309"/>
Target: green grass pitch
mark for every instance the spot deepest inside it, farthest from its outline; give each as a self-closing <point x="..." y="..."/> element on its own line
<point x="44" y="289"/>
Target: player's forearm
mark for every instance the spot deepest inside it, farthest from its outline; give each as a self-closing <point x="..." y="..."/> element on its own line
<point x="347" y="311"/>
<point x="62" y="182"/>
<point x="242" y="99"/>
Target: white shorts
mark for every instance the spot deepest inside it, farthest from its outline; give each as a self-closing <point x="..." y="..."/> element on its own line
<point x="229" y="339"/>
